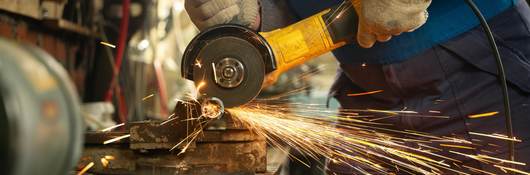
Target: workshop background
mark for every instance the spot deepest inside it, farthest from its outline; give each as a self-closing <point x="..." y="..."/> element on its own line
<point x="96" y="87"/>
<point x="70" y="69"/>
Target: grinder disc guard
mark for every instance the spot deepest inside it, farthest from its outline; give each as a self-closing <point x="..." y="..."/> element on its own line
<point x="228" y="62"/>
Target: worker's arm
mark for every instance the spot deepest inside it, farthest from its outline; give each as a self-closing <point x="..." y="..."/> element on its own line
<point x="379" y="20"/>
<point x="207" y="13"/>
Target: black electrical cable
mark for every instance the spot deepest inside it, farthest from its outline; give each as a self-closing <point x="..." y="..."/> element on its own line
<point x="501" y="76"/>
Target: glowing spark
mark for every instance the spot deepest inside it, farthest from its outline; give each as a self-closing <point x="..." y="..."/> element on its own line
<point x="200" y="86"/>
<point x="511" y="169"/>
<point x="198" y="63"/>
<point x="495" y="145"/>
<point x="478" y="170"/>
<point x="495" y="136"/>
<point x="147" y="97"/>
<point x="314" y="136"/>
<point x="456" y="146"/>
<point x="501" y="160"/>
<point x="488" y="114"/>
<point x="363" y="65"/>
<point x="436" y="112"/>
<point x="214" y="73"/>
<point x="340" y="14"/>
<point x="107" y="44"/>
<point x="116" y="139"/>
<point x="365" y="93"/>
<point x="112" y="127"/>
<point x="168" y="120"/>
<point x="104" y="162"/>
<point x="438" y="101"/>
<point x="86" y="168"/>
<point x="108" y="157"/>
<point x="383" y="111"/>
<point x="189" y="138"/>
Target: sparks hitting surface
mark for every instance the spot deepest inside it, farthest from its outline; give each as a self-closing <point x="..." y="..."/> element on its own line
<point x="365" y="146"/>
<point x="360" y="141"/>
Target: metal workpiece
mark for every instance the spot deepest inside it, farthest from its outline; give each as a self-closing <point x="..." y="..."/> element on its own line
<point x="154" y="135"/>
<point x="41" y="125"/>
<point x="223" y="146"/>
<point x="150" y="135"/>
<point x="232" y="150"/>
<point x="247" y="157"/>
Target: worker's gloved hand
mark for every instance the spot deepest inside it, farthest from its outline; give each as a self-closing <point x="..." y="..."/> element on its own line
<point x="207" y="13"/>
<point x="379" y="20"/>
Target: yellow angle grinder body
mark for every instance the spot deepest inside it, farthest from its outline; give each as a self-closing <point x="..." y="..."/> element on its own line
<point x="233" y="63"/>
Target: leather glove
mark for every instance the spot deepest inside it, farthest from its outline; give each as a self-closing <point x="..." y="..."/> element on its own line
<point x="207" y="13"/>
<point x="379" y="20"/>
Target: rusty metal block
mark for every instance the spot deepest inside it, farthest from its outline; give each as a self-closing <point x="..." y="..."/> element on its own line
<point x="209" y="158"/>
<point x="153" y="135"/>
<point x="206" y="158"/>
<point x="160" y="135"/>
<point x="229" y="149"/>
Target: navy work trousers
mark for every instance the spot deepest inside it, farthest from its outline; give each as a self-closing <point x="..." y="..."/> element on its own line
<point x="457" y="78"/>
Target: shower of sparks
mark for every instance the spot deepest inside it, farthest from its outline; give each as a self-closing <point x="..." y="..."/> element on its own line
<point x="354" y="137"/>
<point x="116" y="139"/>
<point x="86" y="168"/>
<point x="112" y="127"/>
<point x="107" y="44"/>
<point x="496" y="136"/>
<point x="358" y="142"/>
<point x="365" y="93"/>
<point x="354" y="143"/>
<point x="488" y="114"/>
<point x="147" y="97"/>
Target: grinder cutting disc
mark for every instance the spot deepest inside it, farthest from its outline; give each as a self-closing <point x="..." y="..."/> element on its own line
<point x="228" y="62"/>
<point x="231" y="69"/>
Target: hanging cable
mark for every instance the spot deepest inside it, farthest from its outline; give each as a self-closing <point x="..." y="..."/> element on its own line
<point x="501" y="76"/>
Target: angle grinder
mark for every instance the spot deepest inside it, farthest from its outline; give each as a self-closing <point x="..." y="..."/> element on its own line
<point x="233" y="63"/>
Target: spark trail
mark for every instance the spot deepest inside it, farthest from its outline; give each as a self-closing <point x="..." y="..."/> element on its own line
<point x="356" y="142"/>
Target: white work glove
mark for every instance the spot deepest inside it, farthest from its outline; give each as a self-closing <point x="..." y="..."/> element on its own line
<point x="207" y="13"/>
<point x="379" y="20"/>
